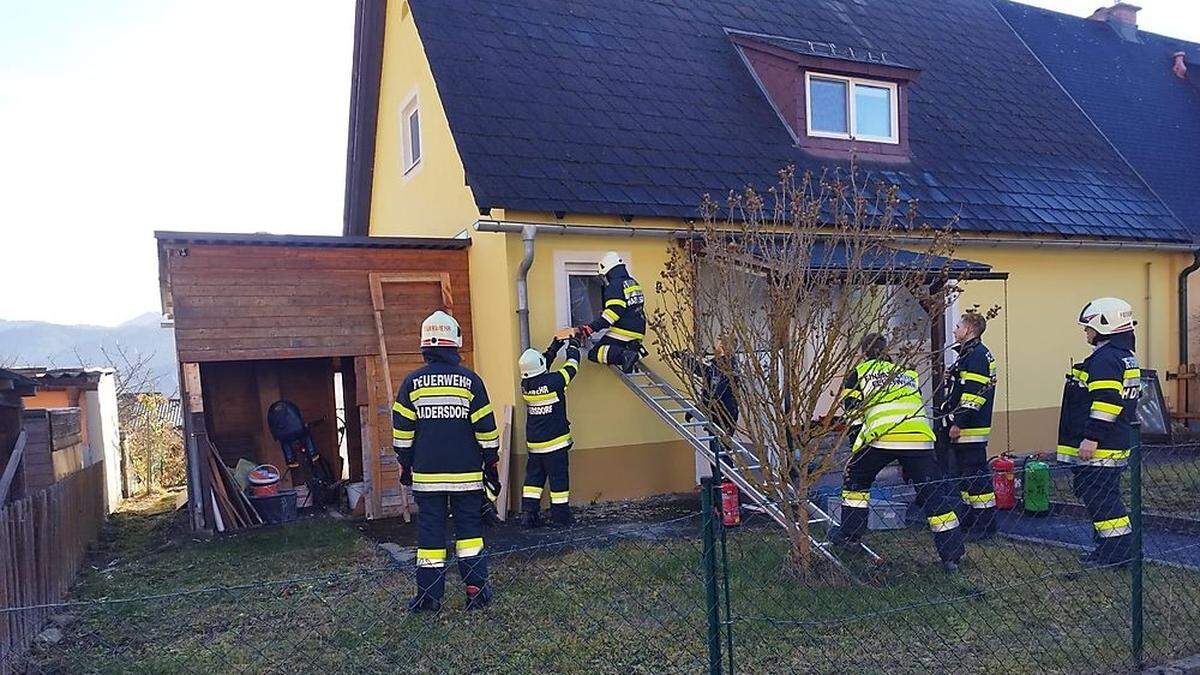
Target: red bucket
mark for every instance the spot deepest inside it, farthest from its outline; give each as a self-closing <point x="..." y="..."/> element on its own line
<point x="264" y="480"/>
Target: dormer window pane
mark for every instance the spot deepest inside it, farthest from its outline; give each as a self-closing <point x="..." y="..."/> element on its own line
<point x="828" y="106"/>
<point x="872" y="111"/>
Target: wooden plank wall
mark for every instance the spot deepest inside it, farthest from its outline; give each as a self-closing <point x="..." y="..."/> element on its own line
<point x="38" y="461"/>
<point x="236" y="398"/>
<point x="242" y="302"/>
<point x="43" y="541"/>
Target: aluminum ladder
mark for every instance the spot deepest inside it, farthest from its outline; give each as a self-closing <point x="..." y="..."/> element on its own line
<point x="674" y="407"/>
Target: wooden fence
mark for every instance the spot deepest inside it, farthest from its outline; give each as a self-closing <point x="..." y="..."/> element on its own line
<point x="43" y="540"/>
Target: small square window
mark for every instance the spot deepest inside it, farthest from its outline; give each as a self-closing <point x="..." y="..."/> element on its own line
<point x="586" y="296"/>
<point x="828" y="106"/>
<point x="852" y="109"/>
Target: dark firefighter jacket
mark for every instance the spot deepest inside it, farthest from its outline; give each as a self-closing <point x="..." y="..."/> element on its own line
<point x="971" y="382"/>
<point x="624" y="313"/>
<point x="443" y="428"/>
<point x="546" y="425"/>
<point x="1100" y="402"/>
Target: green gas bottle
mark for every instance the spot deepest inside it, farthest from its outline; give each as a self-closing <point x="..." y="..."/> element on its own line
<point x="1037" y="487"/>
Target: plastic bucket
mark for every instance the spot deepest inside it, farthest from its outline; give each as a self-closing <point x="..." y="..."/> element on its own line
<point x="264" y="480"/>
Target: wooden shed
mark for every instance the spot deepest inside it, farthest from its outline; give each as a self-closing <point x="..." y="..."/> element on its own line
<point x="258" y="318"/>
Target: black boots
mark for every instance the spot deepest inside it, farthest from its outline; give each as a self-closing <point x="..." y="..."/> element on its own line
<point x="423" y="602"/>
<point x="629" y="360"/>
<point x="530" y="520"/>
<point x="478" y="597"/>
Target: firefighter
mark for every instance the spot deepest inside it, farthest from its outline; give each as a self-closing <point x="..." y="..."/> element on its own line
<point x="718" y="397"/>
<point x="893" y="427"/>
<point x="623" y="318"/>
<point x="967" y="423"/>
<point x="1095" y="430"/>
<point x="547" y="431"/>
<point x="445" y="435"/>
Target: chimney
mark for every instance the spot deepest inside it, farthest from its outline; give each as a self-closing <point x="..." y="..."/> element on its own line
<point x="1180" y="66"/>
<point x="1121" y="17"/>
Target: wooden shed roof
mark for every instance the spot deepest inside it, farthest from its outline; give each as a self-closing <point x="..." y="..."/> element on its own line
<point x="264" y="239"/>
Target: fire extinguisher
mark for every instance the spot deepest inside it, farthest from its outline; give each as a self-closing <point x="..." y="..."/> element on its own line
<point x="731" y="515"/>
<point x="1004" y="482"/>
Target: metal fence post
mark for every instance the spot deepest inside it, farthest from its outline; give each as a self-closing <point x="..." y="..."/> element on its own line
<point x="710" y="576"/>
<point x="1135" y="569"/>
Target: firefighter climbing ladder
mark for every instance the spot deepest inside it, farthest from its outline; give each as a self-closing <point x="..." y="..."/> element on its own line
<point x="673" y="407"/>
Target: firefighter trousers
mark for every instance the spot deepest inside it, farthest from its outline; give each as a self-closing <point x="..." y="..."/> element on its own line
<point x="937" y="496"/>
<point x="611" y="351"/>
<point x="555" y="467"/>
<point x="1099" y="488"/>
<point x="433" y="509"/>
<point x="975" y="486"/>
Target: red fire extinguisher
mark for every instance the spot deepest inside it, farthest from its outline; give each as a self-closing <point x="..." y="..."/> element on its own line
<point x="1004" y="482"/>
<point x="731" y="515"/>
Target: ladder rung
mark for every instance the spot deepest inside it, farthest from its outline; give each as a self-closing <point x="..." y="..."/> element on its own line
<point x="662" y="398"/>
<point x="693" y="424"/>
<point x="676" y="411"/>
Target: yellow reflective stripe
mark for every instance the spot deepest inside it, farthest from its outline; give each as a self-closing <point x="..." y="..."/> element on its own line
<point x="404" y="411"/>
<point x="943" y="522"/>
<point x="627" y="333"/>
<point x="1112" y="408"/>
<point x="615" y="302"/>
<point x="1080" y="374"/>
<point x="401" y="434"/>
<point x="487" y="435"/>
<point x="1099" y="454"/>
<point x="975" y="377"/>
<point x="610" y="316"/>
<point x="465" y="548"/>
<point x="602" y="354"/>
<point x="1114" y="527"/>
<point x="553" y="441"/>
<point x="481" y="413"/>
<point x="565" y="371"/>
<point x="976" y="431"/>
<point x="560" y="497"/>
<point x="466" y="477"/>
<point x="855" y="499"/>
<point x="441" y="391"/>
<point x="974" y="499"/>
<point x="851" y="393"/>
<point x="973" y="398"/>
<point x="535" y="398"/>
<point x="532" y="491"/>
<point x="1101" y="385"/>
<point x="630" y="290"/>
<point x="431" y="557"/>
<point x="1132" y="374"/>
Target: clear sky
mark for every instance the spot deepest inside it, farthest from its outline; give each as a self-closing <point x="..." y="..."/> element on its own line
<point x="120" y="117"/>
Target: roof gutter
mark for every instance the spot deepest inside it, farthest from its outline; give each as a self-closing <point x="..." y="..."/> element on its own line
<point x="370" y="16"/>
<point x="516" y="227"/>
<point x="1183" y="305"/>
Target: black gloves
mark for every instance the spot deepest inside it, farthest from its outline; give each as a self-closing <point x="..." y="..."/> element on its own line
<point x="406" y="475"/>
<point x="491" y="481"/>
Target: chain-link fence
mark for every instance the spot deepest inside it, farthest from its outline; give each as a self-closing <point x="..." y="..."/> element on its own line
<point x="689" y="595"/>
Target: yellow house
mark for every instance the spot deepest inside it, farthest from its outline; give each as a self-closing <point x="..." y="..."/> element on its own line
<point x="551" y="132"/>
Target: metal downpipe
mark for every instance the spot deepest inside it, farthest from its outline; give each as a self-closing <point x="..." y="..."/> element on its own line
<point x="1183" y="305"/>
<point x="528" y="232"/>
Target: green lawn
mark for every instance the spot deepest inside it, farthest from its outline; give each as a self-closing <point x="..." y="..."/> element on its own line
<point x="1168" y="488"/>
<point x="633" y="606"/>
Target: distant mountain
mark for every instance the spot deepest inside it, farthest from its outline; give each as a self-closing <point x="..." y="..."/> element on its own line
<point x="51" y="345"/>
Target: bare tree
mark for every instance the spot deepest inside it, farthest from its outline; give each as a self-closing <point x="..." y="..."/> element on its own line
<point x="791" y="282"/>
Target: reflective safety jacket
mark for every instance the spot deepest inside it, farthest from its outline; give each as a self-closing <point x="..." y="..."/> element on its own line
<point x="624" y="312"/>
<point x="443" y="429"/>
<point x="971" y="382"/>
<point x="1100" y="402"/>
<point x="546" y="425"/>
<point x="893" y="415"/>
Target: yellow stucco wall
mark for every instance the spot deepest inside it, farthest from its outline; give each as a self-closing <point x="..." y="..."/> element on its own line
<point x="1045" y="292"/>
<point x="433" y="198"/>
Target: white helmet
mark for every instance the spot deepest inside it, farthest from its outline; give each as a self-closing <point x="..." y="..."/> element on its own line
<point x="531" y="363"/>
<point x="609" y="261"/>
<point x="440" y="330"/>
<point x="1107" y="316"/>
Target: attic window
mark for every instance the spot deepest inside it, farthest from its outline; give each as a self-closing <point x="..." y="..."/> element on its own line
<point x="410" y="134"/>
<point x="851" y="108"/>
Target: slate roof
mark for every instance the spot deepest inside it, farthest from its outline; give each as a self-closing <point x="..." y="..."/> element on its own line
<point x="1130" y="92"/>
<point x="640" y="106"/>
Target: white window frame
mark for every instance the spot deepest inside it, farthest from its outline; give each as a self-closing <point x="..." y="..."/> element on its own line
<point x="581" y="263"/>
<point x="851" y="83"/>
<point x="409" y="163"/>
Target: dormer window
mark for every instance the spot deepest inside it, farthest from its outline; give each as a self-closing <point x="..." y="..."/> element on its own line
<point x="851" y="108"/>
<point x="835" y="100"/>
